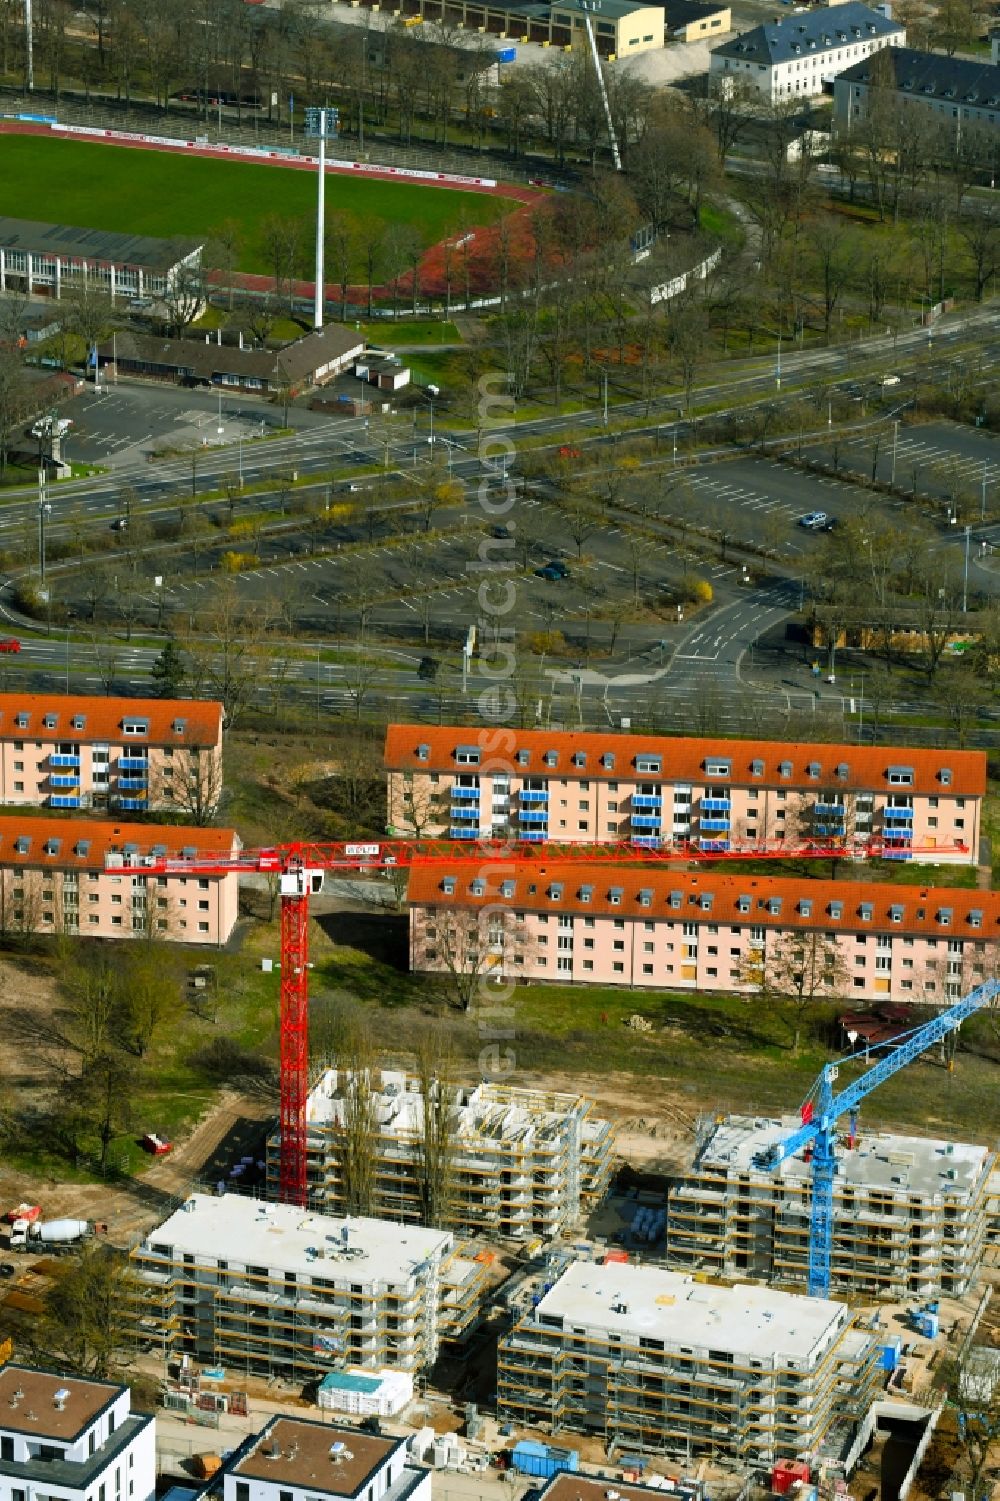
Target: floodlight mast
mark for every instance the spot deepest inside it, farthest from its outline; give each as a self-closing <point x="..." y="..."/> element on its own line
<point x="587" y="6"/>
<point x="318" y="298"/>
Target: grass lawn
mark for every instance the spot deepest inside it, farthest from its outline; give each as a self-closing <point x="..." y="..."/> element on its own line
<point x="720" y="1052"/>
<point x="127" y="190"/>
<point x="393" y="331"/>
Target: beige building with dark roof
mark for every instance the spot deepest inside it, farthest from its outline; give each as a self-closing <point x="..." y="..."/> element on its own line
<point x="317" y="357"/>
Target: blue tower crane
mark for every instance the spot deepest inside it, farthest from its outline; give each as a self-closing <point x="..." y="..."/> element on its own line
<point x="823" y="1108"/>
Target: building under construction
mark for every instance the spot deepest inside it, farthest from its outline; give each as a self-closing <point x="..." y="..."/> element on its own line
<point x="233" y="1281"/>
<point x="512" y="1162"/>
<point x="649" y="1359"/>
<point x="911" y="1215"/>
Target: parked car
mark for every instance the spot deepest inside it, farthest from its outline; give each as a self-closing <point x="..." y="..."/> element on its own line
<point x="10" y="644"/>
<point x="552" y="571"/>
<point x="120" y="524"/>
<point x="427" y="669"/>
<point x="157" y="1145"/>
<point x="503" y="532"/>
<point x="814" y="520"/>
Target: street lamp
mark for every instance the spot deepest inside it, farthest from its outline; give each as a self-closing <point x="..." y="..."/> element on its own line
<point x="965" y="581"/>
<point x="895" y="438"/>
<point x="44" y="509"/>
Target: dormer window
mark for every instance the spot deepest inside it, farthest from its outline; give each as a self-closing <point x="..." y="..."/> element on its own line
<point x="615" y="896"/>
<point x="22" y="844"/>
<point x="585" y="893"/>
<point x="865" y="911"/>
<point x="646" y="896"/>
<point x="900" y="776"/>
<point x="805" y="907"/>
<point x="648" y="764"/>
<point x="784" y="768"/>
<point x="477" y="886"/>
<point x="774" y="905"/>
<point x="756" y="768"/>
<point x="82" y="848"/>
<point x="523" y="758"/>
<point x="895" y="913"/>
<point x="135" y="726"/>
<point x="22" y="721"/>
<point x="976" y="917"/>
<point x="944" y="916"/>
<point x="743" y="904"/>
<point x="836" y="910"/>
<point x="676" y="899"/>
<point x="179" y="726"/>
<point x="718" y="768"/>
<point x="79" y="722"/>
<point x="707" y="899"/>
<point x="608" y="761"/>
<point x="555" y="891"/>
<point x="507" y="889"/>
<point x="50" y="721"/>
<point x="423" y="752"/>
<point x="944" y="776"/>
<point x="579" y="758"/>
<point x="448" y="885"/>
<point x="52" y="846"/>
<point x="467" y="755"/>
<point x="551" y="758"/>
<point x="843" y="771"/>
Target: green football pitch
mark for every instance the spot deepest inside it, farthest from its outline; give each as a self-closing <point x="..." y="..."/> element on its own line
<point x="150" y="192"/>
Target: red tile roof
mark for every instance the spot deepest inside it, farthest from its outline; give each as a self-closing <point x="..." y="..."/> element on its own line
<point x="919" y="906"/>
<point x="102" y="718"/>
<point x="683" y="758"/>
<point x="82" y="843"/>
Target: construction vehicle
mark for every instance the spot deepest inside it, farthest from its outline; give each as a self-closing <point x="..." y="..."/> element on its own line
<point x="300" y="868"/>
<point x="817" y="1136"/>
<point x="51" y="1235"/>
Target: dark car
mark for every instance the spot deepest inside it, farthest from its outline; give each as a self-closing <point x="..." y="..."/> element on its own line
<point x="503" y="532"/>
<point x="6" y="1270"/>
<point x="552" y="572"/>
<point x="427" y="669"/>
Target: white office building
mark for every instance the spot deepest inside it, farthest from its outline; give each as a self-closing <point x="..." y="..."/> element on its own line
<point x="65" y="1439"/>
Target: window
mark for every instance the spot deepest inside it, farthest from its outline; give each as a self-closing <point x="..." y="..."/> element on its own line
<point x="7" y="1448"/>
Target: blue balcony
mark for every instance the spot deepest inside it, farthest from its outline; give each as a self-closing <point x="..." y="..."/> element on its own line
<point x="132" y="784"/>
<point x="133" y="763"/>
<point x="716" y="846"/>
<point x="898" y="815"/>
<point x="720" y="825"/>
<point x="462" y="831"/>
<point x="646" y="800"/>
<point x="829" y="830"/>
<point x="64" y="802"/>
<point x="533" y="836"/>
<point x="71" y="781"/>
<point x="647" y="841"/>
<point x="646" y="821"/>
<point x="64" y="760"/>
<point x="533" y="815"/>
<point x="715" y="804"/>
<point x="128" y="802"/>
<point x="830" y="810"/>
<point x="468" y="794"/>
<point x="527" y="796"/>
<point x="471" y="815"/>
<point x="897" y="836"/>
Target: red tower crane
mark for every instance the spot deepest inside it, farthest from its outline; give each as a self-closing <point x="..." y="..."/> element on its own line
<point x="301" y="867"/>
